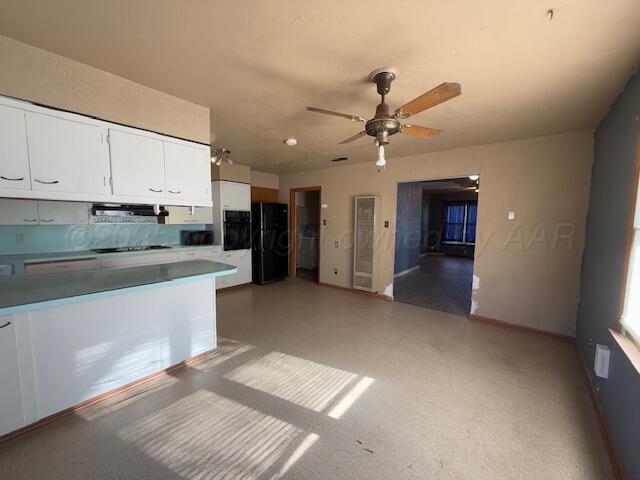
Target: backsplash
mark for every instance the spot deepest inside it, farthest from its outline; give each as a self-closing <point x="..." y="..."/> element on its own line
<point x="17" y="239"/>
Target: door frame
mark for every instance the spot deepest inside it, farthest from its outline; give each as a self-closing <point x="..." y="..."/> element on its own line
<point x="447" y="177"/>
<point x="292" y="227"/>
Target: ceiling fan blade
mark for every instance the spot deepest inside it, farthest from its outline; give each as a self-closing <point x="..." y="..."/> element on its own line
<point x="433" y="97"/>
<point x="420" y="132"/>
<point x="351" y="139"/>
<point x="353" y="118"/>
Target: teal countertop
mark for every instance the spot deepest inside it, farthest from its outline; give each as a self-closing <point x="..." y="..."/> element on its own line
<point x="23" y="293"/>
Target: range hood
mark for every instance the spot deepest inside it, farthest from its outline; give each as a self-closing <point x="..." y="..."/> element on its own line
<point x="116" y="213"/>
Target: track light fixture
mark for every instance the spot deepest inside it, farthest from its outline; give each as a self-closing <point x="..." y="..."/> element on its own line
<point x="219" y="155"/>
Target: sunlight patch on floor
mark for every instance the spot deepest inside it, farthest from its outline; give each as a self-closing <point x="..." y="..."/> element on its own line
<point x="205" y="436"/>
<point x="225" y="350"/>
<point x="350" y="398"/>
<point x="303" y="382"/>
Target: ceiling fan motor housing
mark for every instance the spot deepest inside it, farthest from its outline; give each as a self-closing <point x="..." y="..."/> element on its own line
<point x="382" y="125"/>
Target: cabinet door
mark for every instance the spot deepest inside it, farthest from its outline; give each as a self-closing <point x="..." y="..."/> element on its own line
<point x="235" y="196"/>
<point x="66" y="155"/>
<point x="182" y="215"/>
<point x="240" y="259"/>
<point x="187" y="173"/>
<point x="63" y="213"/>
<point x="137" y="165"/>
<point x="14" y="157"/>
<point x="18" y="212"/>
<point x="11" y="411"/>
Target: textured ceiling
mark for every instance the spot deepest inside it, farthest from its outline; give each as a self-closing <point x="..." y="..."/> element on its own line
<point x="258" y="64"/>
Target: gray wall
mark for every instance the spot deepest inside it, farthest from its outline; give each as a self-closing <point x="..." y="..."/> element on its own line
<point x="603" y="269"/>
<point x="408" y="225"/>
<point x="424" y="228"/>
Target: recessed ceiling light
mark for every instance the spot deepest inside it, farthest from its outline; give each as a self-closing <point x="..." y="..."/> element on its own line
<point x="474" y="177"/>
<point x="341" y="159"/>
<point x="291" y="142"/>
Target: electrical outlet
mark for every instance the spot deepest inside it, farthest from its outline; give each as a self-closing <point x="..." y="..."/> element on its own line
<point x="511" y="215"/>
<point x="591" y="341"/>
<point x="386" y="224"/>
<point x="324" y="222"/>
<point x="335" y="271"/>
<point x="19" y="238"/>
<point x="335" y="244"/>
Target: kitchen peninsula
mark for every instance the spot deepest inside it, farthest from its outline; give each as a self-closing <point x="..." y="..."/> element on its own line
<point x="67" y="338"/>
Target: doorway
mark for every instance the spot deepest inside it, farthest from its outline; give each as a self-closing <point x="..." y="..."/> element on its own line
<point x="304" y="220"/>
<point x="435" y="243"/>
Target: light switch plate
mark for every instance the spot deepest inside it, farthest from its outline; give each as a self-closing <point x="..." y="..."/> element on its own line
<point x="511" y="215"/>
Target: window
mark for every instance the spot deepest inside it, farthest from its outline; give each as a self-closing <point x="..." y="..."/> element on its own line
<point x="459" y="222"/>
<point x="631" y="311"/>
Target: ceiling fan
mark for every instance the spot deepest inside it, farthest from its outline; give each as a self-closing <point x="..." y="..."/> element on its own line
<point x="384" y="123"/>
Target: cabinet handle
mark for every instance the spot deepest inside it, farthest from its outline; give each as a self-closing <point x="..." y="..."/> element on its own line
<point x="11" y="179"/>
<point x="5" y="325"/>
<point x="176" y="192"/>
<point x="46" y="220"/>
<point x="30" y="220"/>
<point x="155" y="191"/>
<point x="53" y="182"/>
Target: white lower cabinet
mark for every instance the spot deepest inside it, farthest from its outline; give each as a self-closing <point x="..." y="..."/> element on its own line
<point x="11" y="409"/>
<point x="202" y="253"/>
<point x="240" y="259"/>
<point x="125" y="261"/>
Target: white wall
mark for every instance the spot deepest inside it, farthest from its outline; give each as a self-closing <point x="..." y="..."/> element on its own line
<point x="526" y="272"/>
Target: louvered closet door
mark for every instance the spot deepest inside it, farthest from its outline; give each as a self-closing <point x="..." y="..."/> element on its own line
<point x="364" y="254"/>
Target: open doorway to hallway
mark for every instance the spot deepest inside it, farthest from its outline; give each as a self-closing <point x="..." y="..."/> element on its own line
<point x="435" y="243"/>
<point x="305" y="233"/>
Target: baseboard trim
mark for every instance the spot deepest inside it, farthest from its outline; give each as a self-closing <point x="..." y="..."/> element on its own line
<point x="405" y="272"/>
<point x="92" y="401"/>
<point x="234" y="287"/>
<point x="617" y="465"/>
<point x="537" y="331"/>
<point x="355" y="290"/>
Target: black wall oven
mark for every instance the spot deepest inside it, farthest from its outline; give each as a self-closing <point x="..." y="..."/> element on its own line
<point x="236" y="230"/>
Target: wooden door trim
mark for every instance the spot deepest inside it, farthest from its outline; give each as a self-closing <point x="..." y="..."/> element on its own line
<point x="292" y="227"/>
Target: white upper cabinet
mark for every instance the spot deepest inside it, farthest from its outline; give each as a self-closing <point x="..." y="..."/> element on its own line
<point x="183" y="215"/>
<point x="14" y="156"/>
<point x="63" y="213"/>
<point x="137" y="165"/>
<point x="18" y="212"/>
<point x="66" y="155"/>
<point x="188" y="173"/>
<point x="235" y="196"/>
<point x="48" y="154"/>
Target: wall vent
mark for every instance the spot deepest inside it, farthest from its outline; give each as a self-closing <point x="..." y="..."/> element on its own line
<point x="365" y="245"/>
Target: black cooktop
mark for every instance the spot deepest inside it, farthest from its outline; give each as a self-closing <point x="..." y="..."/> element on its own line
<point x="140" y="248"/>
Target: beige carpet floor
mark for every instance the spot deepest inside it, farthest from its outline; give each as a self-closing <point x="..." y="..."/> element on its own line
<point x="311" y="383"/>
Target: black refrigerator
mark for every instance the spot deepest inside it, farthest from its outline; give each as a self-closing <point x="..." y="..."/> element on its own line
<point x="269" y="242"/>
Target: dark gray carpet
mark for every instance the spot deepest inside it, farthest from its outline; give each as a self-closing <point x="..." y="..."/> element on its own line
<point x="442" y="283"/>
